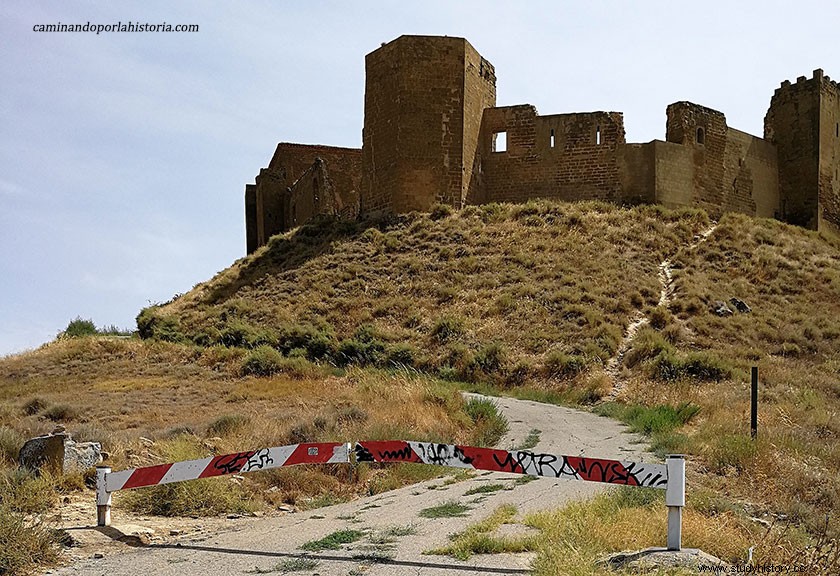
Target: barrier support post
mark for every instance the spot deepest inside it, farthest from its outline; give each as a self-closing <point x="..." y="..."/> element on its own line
<point x="675" y="499"/>
<point x="103" y="497"/>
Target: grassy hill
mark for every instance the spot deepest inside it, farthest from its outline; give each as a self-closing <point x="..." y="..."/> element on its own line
<point x="345" y="323"/>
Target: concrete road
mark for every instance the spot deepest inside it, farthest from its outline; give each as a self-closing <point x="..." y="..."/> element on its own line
<point x="262" y="545"/>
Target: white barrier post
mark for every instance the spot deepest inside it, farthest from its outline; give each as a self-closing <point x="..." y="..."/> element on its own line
<point x="103" y="497"/>
<point x="675" y="499"/>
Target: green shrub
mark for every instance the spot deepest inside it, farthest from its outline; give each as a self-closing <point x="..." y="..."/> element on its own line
<point x="241" y="334"/>
<point x="447" y="328"/>
<point x="61" y="413"/>
<point x="152" y="325"/>
<point x="34" y="406"/>
<point x="561" y="365"/>
<point x="364" y="349"/>
<point x="227" y="424"/>
<point x="490" y="424"/>
<point x="78" y="328"/>
<point x="440" y="211"/>
<point x="262" y="361"/>
<point x="697" y="365"/>
<point x="647" y="344"/>
<point x="317" y="342"/>
<point x="402" y="355"/>
<point x="24" y="492"/>
<point x="490" y="358"/>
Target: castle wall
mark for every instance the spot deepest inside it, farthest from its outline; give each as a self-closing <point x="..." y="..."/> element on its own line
<point x="251" y="241"/>
<point x="423" y="101"/>
<point x="674" y="174"/>
<point x="582" y="163"/>
<point x="283" y="199"/>
<point x="792" y="124"/>
<point x="829" y="160"/>
<point x="637" y="173"/>
<point x="751" y="176"/>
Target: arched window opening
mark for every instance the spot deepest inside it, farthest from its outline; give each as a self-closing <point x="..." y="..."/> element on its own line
<point x="598" y="135"/>
<point x="552" y="138"/>
<point x="701" y="136"/>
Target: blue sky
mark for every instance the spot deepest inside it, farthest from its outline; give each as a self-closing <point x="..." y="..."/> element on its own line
<point x="123" y="156"/>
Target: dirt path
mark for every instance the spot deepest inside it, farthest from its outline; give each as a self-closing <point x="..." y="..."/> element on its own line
<point x="257" y="545"/>
<point x="637" y="321"/>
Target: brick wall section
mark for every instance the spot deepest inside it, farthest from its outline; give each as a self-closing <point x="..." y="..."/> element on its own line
<point x="637" y="173"/>
<point x="577" y="167"/>
<point x="423" y="101"/>
<point x="479" y="94"/>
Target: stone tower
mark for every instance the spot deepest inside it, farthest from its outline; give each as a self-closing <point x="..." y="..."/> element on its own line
<point x="804" y="123"/>
<point x="424" y="100"/>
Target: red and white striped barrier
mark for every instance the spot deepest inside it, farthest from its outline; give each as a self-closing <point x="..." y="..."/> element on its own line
<point x="241" y="462"/>
<point x="670" y="476"/>
<point x="516" y="462"/>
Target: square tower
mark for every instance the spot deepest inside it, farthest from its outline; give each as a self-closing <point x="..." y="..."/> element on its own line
<point x="804" y="123"/>
<point x="424" y="99"/>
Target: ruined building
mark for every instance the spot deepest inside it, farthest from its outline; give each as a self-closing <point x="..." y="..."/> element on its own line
<point x="433" y="134"/>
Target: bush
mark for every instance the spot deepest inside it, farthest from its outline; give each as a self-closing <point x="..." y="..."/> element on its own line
<point x="262" y="361"/>
<point x="78" y="328"/>
<point x="447" y="328"/>
<point x="697" y="365"/>
<point x="365" y="348"/>
<point x="152" y="325"/>
<point x="647" y="344"/>
<point x="61" y="413"/>
<point x="440" y="211"/>
<point x="227" y="424"/>
<point x="24" y="544"/>
<point x="561" y="365"/>
<point x="318" y="343"/>
<point x="10" y="443"/>
<point x="490" y="358"/>
<point x="402" y="355"/>
<point x="23" y="492"/>
<point x="490" y="424"/>
<point x="240" y="334"/>
<point x="34" y="406"/>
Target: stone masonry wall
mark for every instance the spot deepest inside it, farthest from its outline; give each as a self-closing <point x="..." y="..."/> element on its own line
<point x="829" y="162"/>
<point x="278" y="194"/>
<point x="792" y="124"/>
<point x="579" y="162"/>
<point x="423" y="102"/>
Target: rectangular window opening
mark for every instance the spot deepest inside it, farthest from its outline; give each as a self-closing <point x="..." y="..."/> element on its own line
<point x="598" y="135"/>
<point x="500" y="142"/>
<point x="552" y="138"/>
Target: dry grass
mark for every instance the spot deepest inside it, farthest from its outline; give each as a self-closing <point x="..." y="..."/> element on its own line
<point x="490" y="293"/>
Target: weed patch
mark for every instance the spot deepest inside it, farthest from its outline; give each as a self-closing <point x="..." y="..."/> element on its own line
<point x="451" y="509"/>
<point x="333" y="541"/>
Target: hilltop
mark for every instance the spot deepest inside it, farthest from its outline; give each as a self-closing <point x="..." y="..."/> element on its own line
<point x="346" y="324"/>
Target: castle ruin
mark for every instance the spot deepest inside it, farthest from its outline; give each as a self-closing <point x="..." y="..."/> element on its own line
<point x="433" y="134"/>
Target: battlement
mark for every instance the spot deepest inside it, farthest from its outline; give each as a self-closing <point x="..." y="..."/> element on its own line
<point x="433" y="134"/>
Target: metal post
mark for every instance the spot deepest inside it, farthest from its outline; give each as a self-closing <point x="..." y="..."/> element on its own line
<point x="754" y="403"/>
<point x="675" y="499"/>
<point x="103" y="497"/>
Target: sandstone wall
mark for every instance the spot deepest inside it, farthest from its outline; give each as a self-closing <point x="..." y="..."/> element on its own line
<point x="564" y="156"/>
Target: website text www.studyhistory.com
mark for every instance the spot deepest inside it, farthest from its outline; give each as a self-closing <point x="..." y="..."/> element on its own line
<point x="752" y="569"/>
<point x="115" y="27"/>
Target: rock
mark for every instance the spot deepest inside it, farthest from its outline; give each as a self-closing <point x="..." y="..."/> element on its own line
<point x="43" y="453"/>
<point x="98" y="555"/>
<point x="740" y="305"/>
<point x="175" y="532"/>
<point x="651" y="559"/>
<point x="721" y="309"/>
<point x="58" y="453"/>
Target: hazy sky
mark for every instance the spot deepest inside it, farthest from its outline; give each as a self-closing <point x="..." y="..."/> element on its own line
<point x="124" y="156"/>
